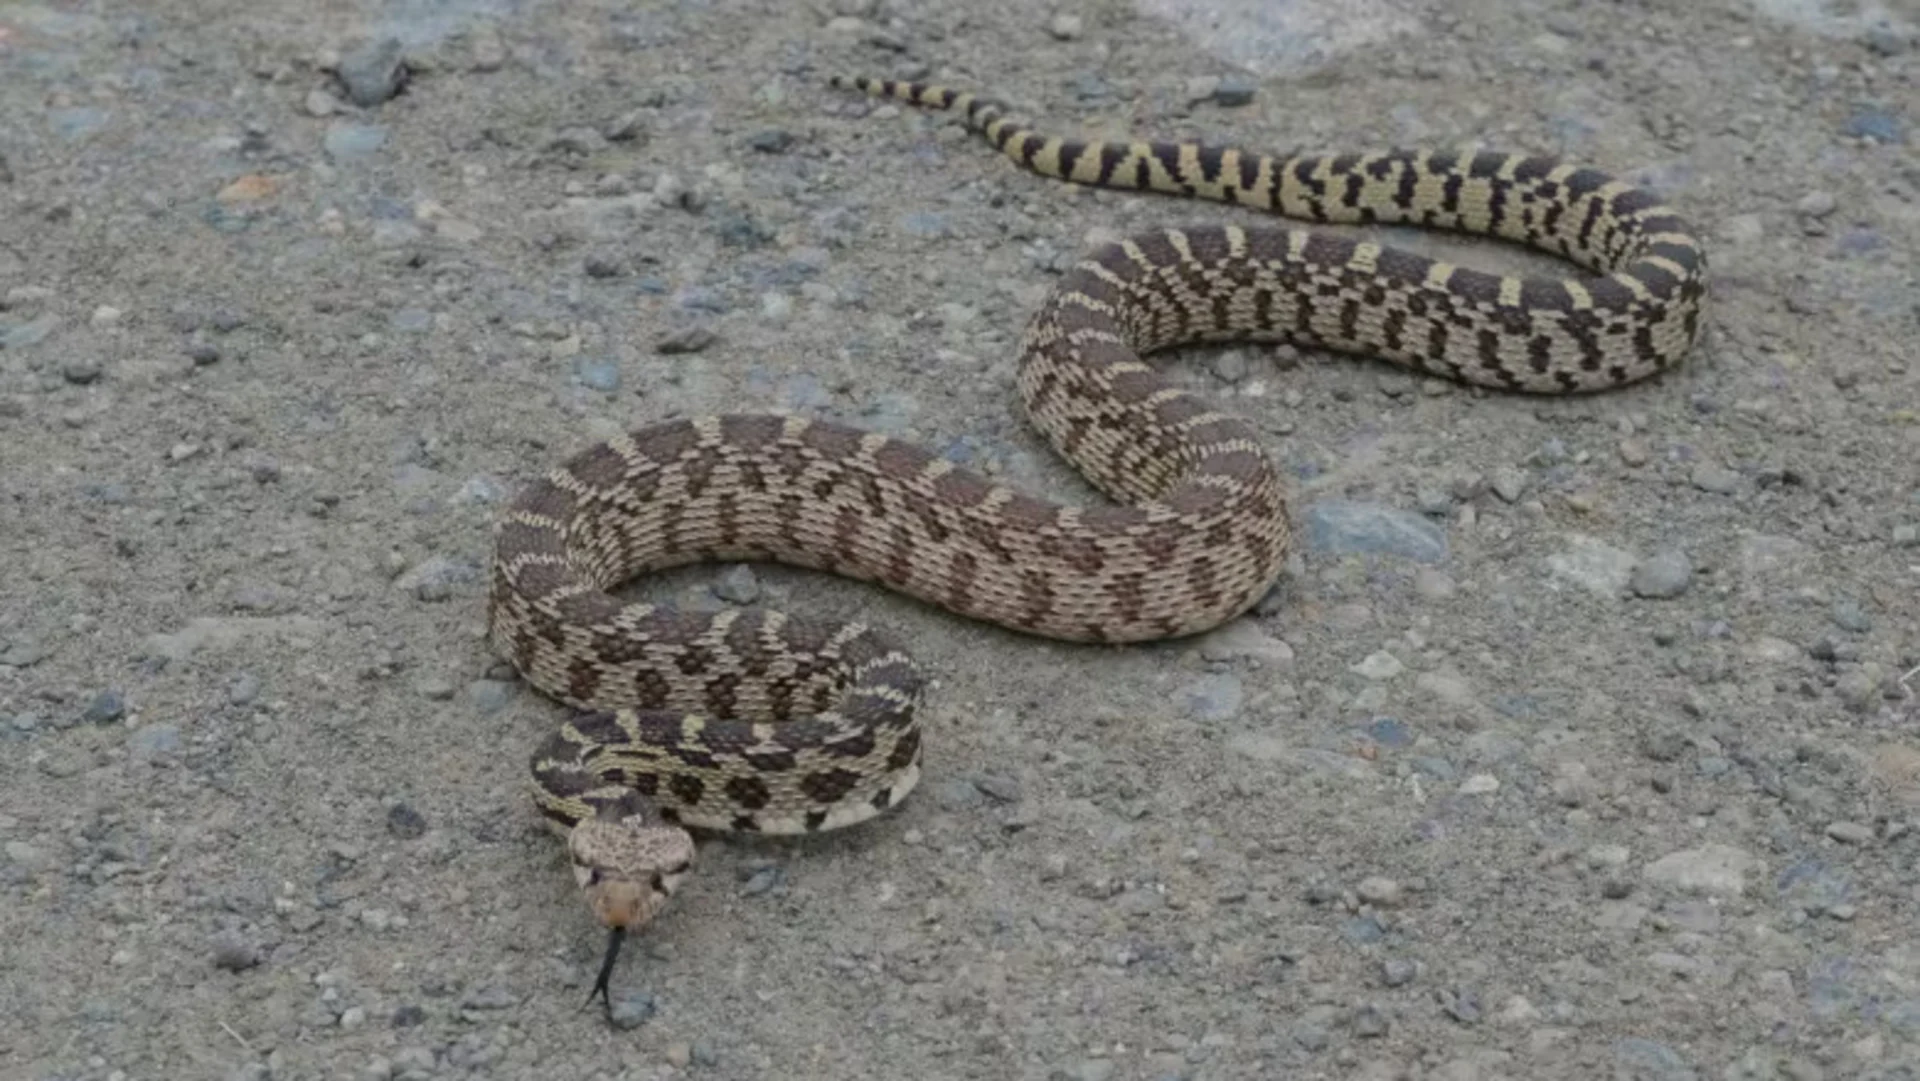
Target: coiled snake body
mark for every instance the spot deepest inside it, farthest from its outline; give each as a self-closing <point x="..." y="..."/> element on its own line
<point x="749" y="719"/>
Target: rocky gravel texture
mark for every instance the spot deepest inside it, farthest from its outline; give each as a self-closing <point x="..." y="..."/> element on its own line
<point x="1580" y="741"/>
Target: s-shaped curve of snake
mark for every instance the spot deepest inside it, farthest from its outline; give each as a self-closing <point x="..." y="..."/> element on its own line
<point x="753" y="720"/>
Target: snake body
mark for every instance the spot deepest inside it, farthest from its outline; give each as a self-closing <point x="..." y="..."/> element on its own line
<point x="753" y="720"/>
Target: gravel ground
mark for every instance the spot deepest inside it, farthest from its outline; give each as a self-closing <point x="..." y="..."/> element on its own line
<point x="1580" y="741"/>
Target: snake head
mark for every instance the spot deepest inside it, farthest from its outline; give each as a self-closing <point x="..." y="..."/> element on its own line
<point x="628" y="865"/>
<point x="628" y="868"/>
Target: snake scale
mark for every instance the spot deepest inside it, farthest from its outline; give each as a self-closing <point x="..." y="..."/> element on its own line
<point x="753" y="720"/>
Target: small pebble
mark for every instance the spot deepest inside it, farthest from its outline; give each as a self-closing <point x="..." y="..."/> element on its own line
<point x="956" y="794"/>
<point x="243" y="690"/>
<point x="1816" y="204"/>
<point x="1849" y="616"/>
<point x="1663" y="575"/>
<point x="374" y="72"/>
<point x="597" y="373"/>
<point x="489" y="695"/>
<point x="688" y="339"/>
<point x="925" y="224"/>
<point x="1509" y="484"/>
<point x="1397" y="971"/>
<point x="1216" y="697"/>
<point x="1716" y="479"/>
<point x="154" y="741"/>
<point x="739" y="585"/>
<point x="347" y="142"/>
<point x="233" y="953"/>
<point x="1379" y="665"/>
<point x="1234" y="90"/>
<point x="771" y="141"/>
<point x="630" y="1009"/>
<point x="1852" y="833"/>
<point x="764" y="880"/>
<point x="1379" y="891"/>
<point x="80" y="371"/>
<point x="106" y="707"/>
<point x="998" y="787"/>
<point x="1065" y="27"/>
<point x="404" y="822"/>
<point x="1463" y="1005"/>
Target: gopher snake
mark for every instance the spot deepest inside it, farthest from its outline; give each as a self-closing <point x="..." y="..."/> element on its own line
<point x="752" y="720"/>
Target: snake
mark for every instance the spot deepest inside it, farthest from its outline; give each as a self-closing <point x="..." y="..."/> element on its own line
<point x="749" y="719"/>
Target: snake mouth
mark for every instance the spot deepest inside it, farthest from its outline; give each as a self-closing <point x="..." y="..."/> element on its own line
<point x="602" y="985"/>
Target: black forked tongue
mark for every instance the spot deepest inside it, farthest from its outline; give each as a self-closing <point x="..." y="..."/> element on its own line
<point x="600" y="986"/>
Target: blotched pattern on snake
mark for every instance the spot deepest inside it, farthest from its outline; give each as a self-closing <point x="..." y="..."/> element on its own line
<point x="750" y="719"/>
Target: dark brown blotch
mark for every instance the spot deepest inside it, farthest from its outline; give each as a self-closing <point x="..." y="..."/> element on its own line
<point x="829" y="785"/>
<point x="748" y="792"/>
<point x="686" y="788"/>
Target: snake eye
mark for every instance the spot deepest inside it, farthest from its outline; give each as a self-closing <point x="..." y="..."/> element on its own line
<point x="659" y="883"/>
<point x="593" y="876"/>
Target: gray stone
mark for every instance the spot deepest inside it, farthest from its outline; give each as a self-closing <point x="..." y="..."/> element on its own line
<point x="106" y="707"/>
<point x="771" y="141"/>
<point x="405" y="823"/>
<point x="1243" y="639"/>
<point x="1664" y="574"/>
<point x="1714" y="869"/>
<point x="687" y="339"/>
<point x="1341" y="527"/>
<point x="1216" y="697"/>
<point x="374" y="72"/>
<point x="925" y="224"/>
<point x="765" y="879"/>
<point x="1849" y="616"/>
<point x="597" y="373"/>
<point x="1377" y="666"/>
<point x="154" y="741"/>
<point x="1509" y="484"/>
<point x="1816" y="204"/>
<point x="1859" y="686"/>
<point x="1645" y="1060"/>
<point x="30" y="333"/>
<point x="739" y="585"/>
<point x="243" y="690"/>
<point x="1717" y="479"/>
<point x="998" y="786"/>
<point x="1379" y="891"/>
<point x="489" y="695"/>
<point x="233" y="952"/>
<point x="956" y="794"/>
<point x="350" y="142"/>
<point x="1852" y="833"/>
<point x="630" y="1009"/>
<point x="23" y="653"/>
<point x="1234" y="90"/>
<point x="1462" y="1004"/>
<point x="1878" y="124"/>
<point x="1398" y="971"/>
<point x="434" y="578"/>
